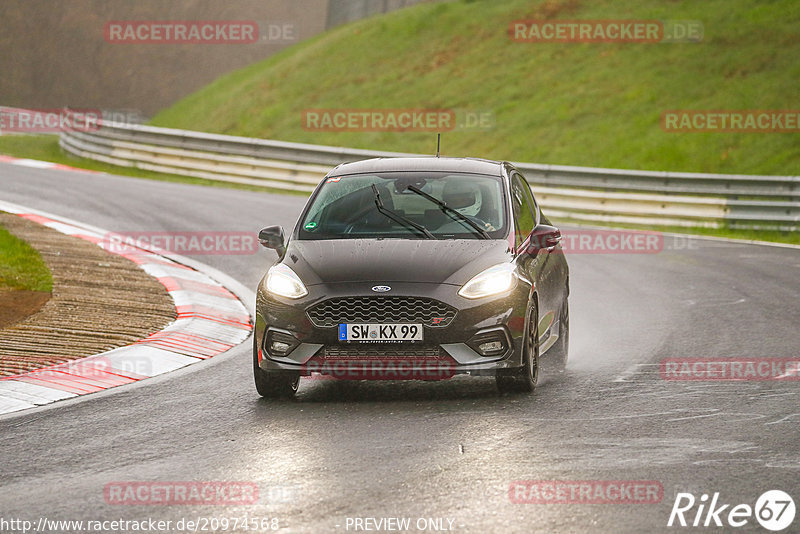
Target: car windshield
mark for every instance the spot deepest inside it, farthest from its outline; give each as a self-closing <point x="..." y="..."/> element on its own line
<point x="410" y="205"/>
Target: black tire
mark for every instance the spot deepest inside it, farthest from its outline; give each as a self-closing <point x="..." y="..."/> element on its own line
<point x="560" y="351"/>
<point x="523" y="379"/>
<point x="274" y="384"/>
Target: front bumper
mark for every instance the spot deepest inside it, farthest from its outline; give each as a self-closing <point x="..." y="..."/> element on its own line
<point x="451" y="347"/>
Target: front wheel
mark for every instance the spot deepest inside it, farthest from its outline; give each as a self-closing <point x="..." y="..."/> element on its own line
<point x="523" y="379"/>
<point x="274" y="384"/>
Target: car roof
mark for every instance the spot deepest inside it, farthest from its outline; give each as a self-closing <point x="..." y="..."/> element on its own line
<point x="429" y="163"/>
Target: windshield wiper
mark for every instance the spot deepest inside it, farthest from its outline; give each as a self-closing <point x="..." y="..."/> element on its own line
<point x="396" y="217"/>
<point x="453" y="212"/>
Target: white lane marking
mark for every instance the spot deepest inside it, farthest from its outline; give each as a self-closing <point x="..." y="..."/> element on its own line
<point x="715" y="304"/>
<point x="30" y="399"/>
<point x="34" y="163"/>
<point x="771" y="395"/>
<point x="16" y="395"/>
<point x="694" y="417"/>
<point x="43" y="394"/>
<point x="158" y="270"/>
<point x="734" y="417"/>
<point x="230" y="334"/>
<point x="614" y="417"/>
<point x="781" y="420"/>
<point x="9" y="404"/>
<point x="69" y="229"/>
<point x="788" y="374"/>
<point x="188" y="298"/>
<point x="145" y="360"/>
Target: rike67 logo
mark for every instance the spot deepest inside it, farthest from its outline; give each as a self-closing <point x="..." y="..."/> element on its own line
<point x="774" y="510"/>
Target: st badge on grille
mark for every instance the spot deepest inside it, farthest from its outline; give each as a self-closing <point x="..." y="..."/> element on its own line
<point x="381" y="289"/>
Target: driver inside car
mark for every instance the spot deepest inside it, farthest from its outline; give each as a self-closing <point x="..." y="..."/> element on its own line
<point x="467" y="199"/>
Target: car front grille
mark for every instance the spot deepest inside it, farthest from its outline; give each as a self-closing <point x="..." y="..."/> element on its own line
<point x="382" y="350"/>
<point x="429" y="312"/>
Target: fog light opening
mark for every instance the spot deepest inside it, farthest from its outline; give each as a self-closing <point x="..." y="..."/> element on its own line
<point x="488" y="347"/>
<point x="280" y="344"/>
<point x="492" y="343"/>
<point x="279" y="347"/>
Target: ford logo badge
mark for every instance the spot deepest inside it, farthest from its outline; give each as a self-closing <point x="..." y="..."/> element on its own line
<point x="381" y="289"/>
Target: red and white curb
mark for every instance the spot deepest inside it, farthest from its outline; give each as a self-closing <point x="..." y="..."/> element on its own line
<point x="38" y="164"/>
<point x="210" y="320"/>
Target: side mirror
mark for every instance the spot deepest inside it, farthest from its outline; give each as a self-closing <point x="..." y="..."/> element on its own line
<point x="543" y="237"/>
<point x="272" y="237"/>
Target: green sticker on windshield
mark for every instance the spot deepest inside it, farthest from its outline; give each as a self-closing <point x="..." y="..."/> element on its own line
<point x="310" y="226"/>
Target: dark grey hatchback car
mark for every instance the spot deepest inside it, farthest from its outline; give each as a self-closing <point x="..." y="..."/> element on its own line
<point x="414" y="268"/>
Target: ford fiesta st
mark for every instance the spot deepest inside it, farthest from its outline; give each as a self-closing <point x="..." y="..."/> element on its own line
<point x="413" y="268"/>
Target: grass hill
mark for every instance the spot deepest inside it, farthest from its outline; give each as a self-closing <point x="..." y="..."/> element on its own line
<point x="589" y="104"/>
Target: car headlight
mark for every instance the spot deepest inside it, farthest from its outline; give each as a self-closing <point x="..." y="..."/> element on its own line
<point x="492" y="281"/>
<point x="282" y="281"/>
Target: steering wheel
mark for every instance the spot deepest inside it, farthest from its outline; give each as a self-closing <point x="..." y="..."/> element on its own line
<point x="354" y="219"/>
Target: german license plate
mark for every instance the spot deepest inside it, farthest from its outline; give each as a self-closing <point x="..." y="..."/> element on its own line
<point x="380" y="333"/>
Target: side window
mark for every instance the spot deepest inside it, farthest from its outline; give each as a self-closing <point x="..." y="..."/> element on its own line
<point x="524" y="214"/>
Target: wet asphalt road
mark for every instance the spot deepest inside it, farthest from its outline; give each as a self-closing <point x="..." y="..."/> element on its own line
<point x="444" y="450"/>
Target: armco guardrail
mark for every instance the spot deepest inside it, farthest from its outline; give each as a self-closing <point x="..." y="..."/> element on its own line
<point x="579" y="193"/>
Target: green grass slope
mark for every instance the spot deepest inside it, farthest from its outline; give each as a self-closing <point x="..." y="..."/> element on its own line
<point x="21" y="266"/>
<point x="589" y="104"/>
